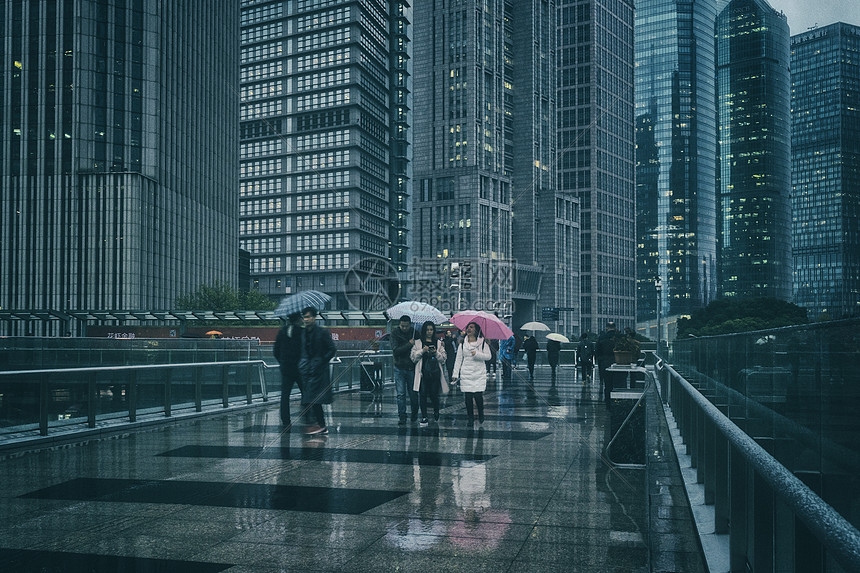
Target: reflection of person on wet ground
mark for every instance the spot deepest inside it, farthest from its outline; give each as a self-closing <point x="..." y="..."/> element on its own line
<point x="428" y="354"/>
<point x="317" y="349"/>
<point x="471" y="371"/>
<point x="288" y="351"/>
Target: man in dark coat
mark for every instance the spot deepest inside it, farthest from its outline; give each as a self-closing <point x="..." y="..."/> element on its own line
<point x="451" y="352"/>
<point x="530" y="345"/>
<point x="288" y="351"/>
<point x="605" y="358"/>
<point x="402" y="340"/>
<point x="317" y="349"/>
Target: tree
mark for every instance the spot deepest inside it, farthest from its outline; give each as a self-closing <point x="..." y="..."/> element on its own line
<point x="728" y="315"/>
<point x="223" y="297"/>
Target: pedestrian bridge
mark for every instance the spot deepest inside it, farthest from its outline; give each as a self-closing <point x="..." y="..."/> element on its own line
<point x="185" y="466"/>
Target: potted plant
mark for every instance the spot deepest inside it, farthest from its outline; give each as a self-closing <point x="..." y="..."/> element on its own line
<point x="626" y="349"/>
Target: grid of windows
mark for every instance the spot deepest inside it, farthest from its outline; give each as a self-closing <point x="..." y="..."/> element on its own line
<point x="322" y="241"/>
<point x="325" y="139"/>
<point x="322" y="80"/>
<point x="323" y="99"/>
<point x="262" y="246"/>
<point x="263" y="13"/>
<point x="327" y="160"/>
<point x="260" y="207"/>
<point x="328" y="180"/>
<point x="262" y="71"/>
<point x="261" y="168"/>
<point x="261" y="91"/>
<point x="261" y="148"/>
<point x="333" y="261"/>
<point x="260" y="187"/>
<point x="325" y="59"/>
<point x="303" y="5"/>
<point x="266" y="265"/>
<point x="339" y="220"/>
<point x="264" y="32"/>
<point x="262" y="109"/>
<point x="260" y="226"/>
<point x="261" y="52"/>
<point x="317" y="201"/>
<point x="322" y="39"/>
<point x="323" y="19"/>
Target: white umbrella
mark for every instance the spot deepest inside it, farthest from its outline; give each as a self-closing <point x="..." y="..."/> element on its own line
<point x="535" y="326"/>
<point x="419" y="312"/>
<point x="300" y="301"/>
<point x="557" y="337"/>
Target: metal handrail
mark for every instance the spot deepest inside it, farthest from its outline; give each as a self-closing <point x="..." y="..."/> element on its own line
<point x="839" y="537"/>
<point x="132" y="367"/>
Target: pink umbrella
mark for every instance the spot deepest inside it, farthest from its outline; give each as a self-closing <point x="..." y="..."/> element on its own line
<point x="491" y="325"/>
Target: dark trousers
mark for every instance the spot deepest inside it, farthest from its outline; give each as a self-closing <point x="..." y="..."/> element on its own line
<point x="506" y="369"/>
<point x="314" y="415"/>
<point x="607" y="380"/>
<point x="478" y="397"/>
<point x="531" y="365"/>
<point x="586" y="367"/>
<point x="429" y="389"/>
<point x="287" y="383"/>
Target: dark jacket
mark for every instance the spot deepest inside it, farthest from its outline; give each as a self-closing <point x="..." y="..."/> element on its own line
<point x="317" y="349"/>
<point x="288" y="351"/>
<point x="401" y="347"/>
<point x="531" y="347"/>
<point x="585" y="349"/>
<point x="553" y="349"/>
<point x="606" y="346"/>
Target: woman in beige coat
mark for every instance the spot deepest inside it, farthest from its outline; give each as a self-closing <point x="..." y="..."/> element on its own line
<point x="428" y="354"/>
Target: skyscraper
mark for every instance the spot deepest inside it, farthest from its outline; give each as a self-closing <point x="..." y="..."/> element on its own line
<point x="486" y="202"/>
<point x="325" y="118"/>
<point x="675" y="155"/>
<point x="596" y="152"/>
<point x="118" y="152"/>
<point x="825" y="177"/>
<point x="753" y="84"/>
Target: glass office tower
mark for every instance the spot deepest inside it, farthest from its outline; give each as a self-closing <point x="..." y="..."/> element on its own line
<point x="755" y="150"/>
<point x="118" y="146"/>
<point x="325" y="174"/>
<point x="675" y="156"/>
<point x="825" y="177"/>
<point x="596" y="153"/>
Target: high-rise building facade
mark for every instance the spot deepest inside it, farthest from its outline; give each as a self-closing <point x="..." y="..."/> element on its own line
<point x="325" y="174"/>
<point x="825" y="177"/>
<point x="486" y="199"/>
<point x="675" y="156"/>
<point x="754" y="118"/>
<point x="596" y="152"/>
<point x="119" y="169"/>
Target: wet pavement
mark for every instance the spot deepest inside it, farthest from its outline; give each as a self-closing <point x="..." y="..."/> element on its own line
<point x="529" y="490"/>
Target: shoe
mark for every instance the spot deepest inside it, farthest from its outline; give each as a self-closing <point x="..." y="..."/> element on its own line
<point x="481" y="419"/>
<point x="313" y="430"/>
<point x="402" y="421"/>
<point x="435" y="416"/>
<point x="470" y="421"/>
<point x="424" y="423"/>
<point x="324" y="430"/>
<point x="414" y="416"/>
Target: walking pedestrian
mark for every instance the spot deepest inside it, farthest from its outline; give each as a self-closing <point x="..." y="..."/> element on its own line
<point x="451" y="346"/>
<point x="317" y="349"/>
<point x="553" y="350"/>
<point x="402" y="340"/>
<point x="470" y="370"/>
<point x="428" y="354"/>
<point x="492" y="362"/>
<point x="506" y="357"/>
<point x="605" y="357"/>
<point x="288" y="351"/>
<point x="585" y="354"/>
<point x="530" y="345"/>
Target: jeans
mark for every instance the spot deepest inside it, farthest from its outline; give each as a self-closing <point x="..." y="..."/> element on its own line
<point x="403" y="380"/>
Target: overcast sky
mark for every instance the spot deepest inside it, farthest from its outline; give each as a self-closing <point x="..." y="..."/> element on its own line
<point x="802" y="14"/>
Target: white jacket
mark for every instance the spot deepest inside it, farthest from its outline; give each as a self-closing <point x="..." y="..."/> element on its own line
<point x="416" y="355"/>
<point x="471" y="370"/>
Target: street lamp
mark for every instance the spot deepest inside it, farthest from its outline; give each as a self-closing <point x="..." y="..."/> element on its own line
<point x="658" y="285"/>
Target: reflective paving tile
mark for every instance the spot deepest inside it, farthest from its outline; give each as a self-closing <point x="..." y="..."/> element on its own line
<point x="297" y="498"/>
<point x="24" y="561"/>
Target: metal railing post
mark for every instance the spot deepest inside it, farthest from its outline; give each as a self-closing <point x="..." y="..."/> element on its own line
<point x="168" y="392"/>
<point x="44" y="403"/>
<point x="225" y="387"/>
<point x="198" y="390"/>
<point x="132" y="396"/>
<point x="91" y="401"/>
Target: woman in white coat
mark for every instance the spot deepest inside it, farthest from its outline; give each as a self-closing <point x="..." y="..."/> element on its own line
<point x="428" y="354"/>
<point x="471" y="370"/>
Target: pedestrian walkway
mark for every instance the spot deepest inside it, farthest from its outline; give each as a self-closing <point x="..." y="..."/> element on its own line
<point x="529" y="490"/>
